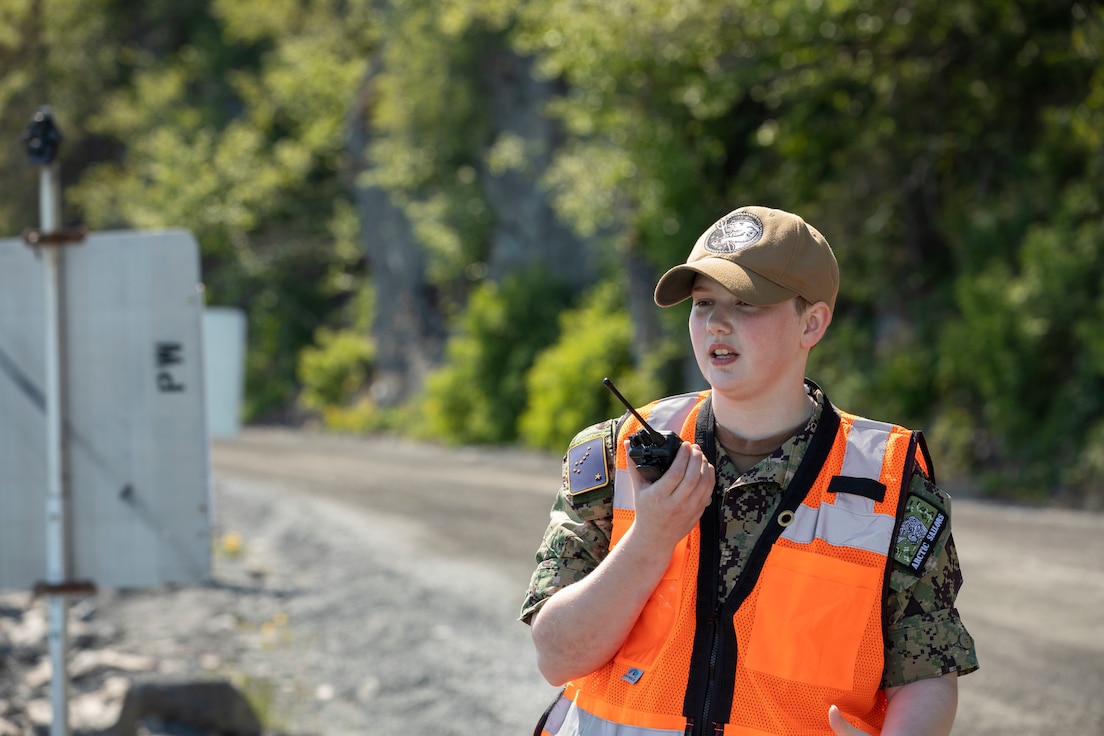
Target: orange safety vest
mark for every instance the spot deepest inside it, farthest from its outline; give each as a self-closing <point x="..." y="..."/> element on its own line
<point x="802" y="630"/>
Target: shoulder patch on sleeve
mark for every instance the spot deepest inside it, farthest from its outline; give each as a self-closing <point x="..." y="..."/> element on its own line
<point x="922" y="525"/>
<point x="587" y="466"/>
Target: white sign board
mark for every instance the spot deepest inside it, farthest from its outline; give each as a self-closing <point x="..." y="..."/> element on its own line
<point x="137" y="448"/>
<point x="224" y="334"/>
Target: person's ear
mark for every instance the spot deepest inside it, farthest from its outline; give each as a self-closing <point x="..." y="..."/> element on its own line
<point x="816" y="320"/>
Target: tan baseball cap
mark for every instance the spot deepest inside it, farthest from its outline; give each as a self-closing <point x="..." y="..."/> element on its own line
<point x="764" y="256"/>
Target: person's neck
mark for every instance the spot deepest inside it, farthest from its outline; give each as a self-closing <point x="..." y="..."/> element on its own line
<point x="761" y="417"/>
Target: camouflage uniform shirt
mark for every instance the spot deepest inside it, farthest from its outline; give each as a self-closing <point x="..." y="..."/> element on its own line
<point x="925" y="636"/>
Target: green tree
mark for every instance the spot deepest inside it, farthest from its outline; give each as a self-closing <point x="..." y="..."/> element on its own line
<point x="564" y="385"/>
<point x="900" y="132"/>
<point x="479" y="393"/>
<point x="232" y="128"/>
<point x="951" y="153"/>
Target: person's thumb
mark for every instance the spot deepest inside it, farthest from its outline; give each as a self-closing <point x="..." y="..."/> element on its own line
<point x="839" y="724"/>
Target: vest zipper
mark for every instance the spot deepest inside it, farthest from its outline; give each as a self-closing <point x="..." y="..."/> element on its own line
<point x="715" y="638"/>
<point x="712" y="650"/>
<point x="714" y="616"/>
<point x="716" y="610"/>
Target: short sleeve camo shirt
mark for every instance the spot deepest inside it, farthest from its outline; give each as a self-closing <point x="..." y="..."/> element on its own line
<point x="925" y="636"/>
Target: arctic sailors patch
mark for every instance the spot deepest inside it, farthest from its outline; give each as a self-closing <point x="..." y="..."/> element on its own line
<point x="735" y="232"/>
<point x="587" y="465"/>
<point x="920" y="530"/>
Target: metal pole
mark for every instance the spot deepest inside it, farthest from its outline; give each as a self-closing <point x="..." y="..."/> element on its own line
<point x="42" y="138"/>
<point x="56" y="501"/>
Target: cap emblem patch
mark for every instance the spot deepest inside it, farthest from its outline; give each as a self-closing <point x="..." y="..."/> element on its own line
<point x="735" y="232"/>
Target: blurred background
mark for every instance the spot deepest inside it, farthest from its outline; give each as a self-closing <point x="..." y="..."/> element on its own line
<point x="444" y="219"/>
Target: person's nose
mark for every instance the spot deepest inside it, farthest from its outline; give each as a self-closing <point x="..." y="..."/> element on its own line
<point x="719" y="322"/>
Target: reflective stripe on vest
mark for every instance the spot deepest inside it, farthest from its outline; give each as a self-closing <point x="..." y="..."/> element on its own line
<point x="841" y="540"/>
<point x="850" y="521"/>
<point x="566" y="719"/>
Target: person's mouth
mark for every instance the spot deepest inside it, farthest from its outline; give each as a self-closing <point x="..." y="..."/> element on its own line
<point x="722" y="354"/>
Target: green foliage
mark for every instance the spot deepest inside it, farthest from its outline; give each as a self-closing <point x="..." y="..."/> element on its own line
<point x="334" y="375"/>
<point x="426" y="146"/>
<point x="335" y="369"/>
<point x="1025" y="355"/>
<point x="479" y="393"/>
<point x="939" y="147"/>
<point x="232" y="129"/>
<point x="951" y="152"/>
<point x="60" y="53"/>
<point x="564" y="386"/>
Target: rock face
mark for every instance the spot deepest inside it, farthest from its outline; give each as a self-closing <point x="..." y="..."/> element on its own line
<point x="409" y="328"/>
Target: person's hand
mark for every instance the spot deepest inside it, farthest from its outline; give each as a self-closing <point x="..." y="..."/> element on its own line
<point x="668" y="509"/>
<point x="840" y="726"/>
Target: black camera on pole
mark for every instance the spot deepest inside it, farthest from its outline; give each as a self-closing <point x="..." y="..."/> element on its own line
<point x="42" y="138"/>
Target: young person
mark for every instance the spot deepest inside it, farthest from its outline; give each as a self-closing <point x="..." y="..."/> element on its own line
<point x="792" y="572"/>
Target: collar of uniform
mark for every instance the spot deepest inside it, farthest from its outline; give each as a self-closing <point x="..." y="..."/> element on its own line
<point x="778" y="467"/>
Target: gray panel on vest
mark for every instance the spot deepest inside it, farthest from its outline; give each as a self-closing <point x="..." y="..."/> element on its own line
<point x="136" y="431"/>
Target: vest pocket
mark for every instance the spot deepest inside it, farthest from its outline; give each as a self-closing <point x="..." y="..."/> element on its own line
<point x="811" y="613"/>
<point x="654" y="625"/>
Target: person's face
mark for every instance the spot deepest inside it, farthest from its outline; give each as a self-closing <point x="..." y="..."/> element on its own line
<point x="745" y="350"/>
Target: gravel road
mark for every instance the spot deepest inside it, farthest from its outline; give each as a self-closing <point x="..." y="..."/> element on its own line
<point x="394" y="606"/>
<point x="456" y="532"/>
<point x="371" y="586"/>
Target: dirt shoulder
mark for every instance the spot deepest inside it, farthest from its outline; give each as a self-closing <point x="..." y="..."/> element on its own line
<point x="335" y="615"/>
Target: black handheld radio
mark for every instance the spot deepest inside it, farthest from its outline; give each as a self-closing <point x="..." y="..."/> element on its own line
<point x="650" y="449"/>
